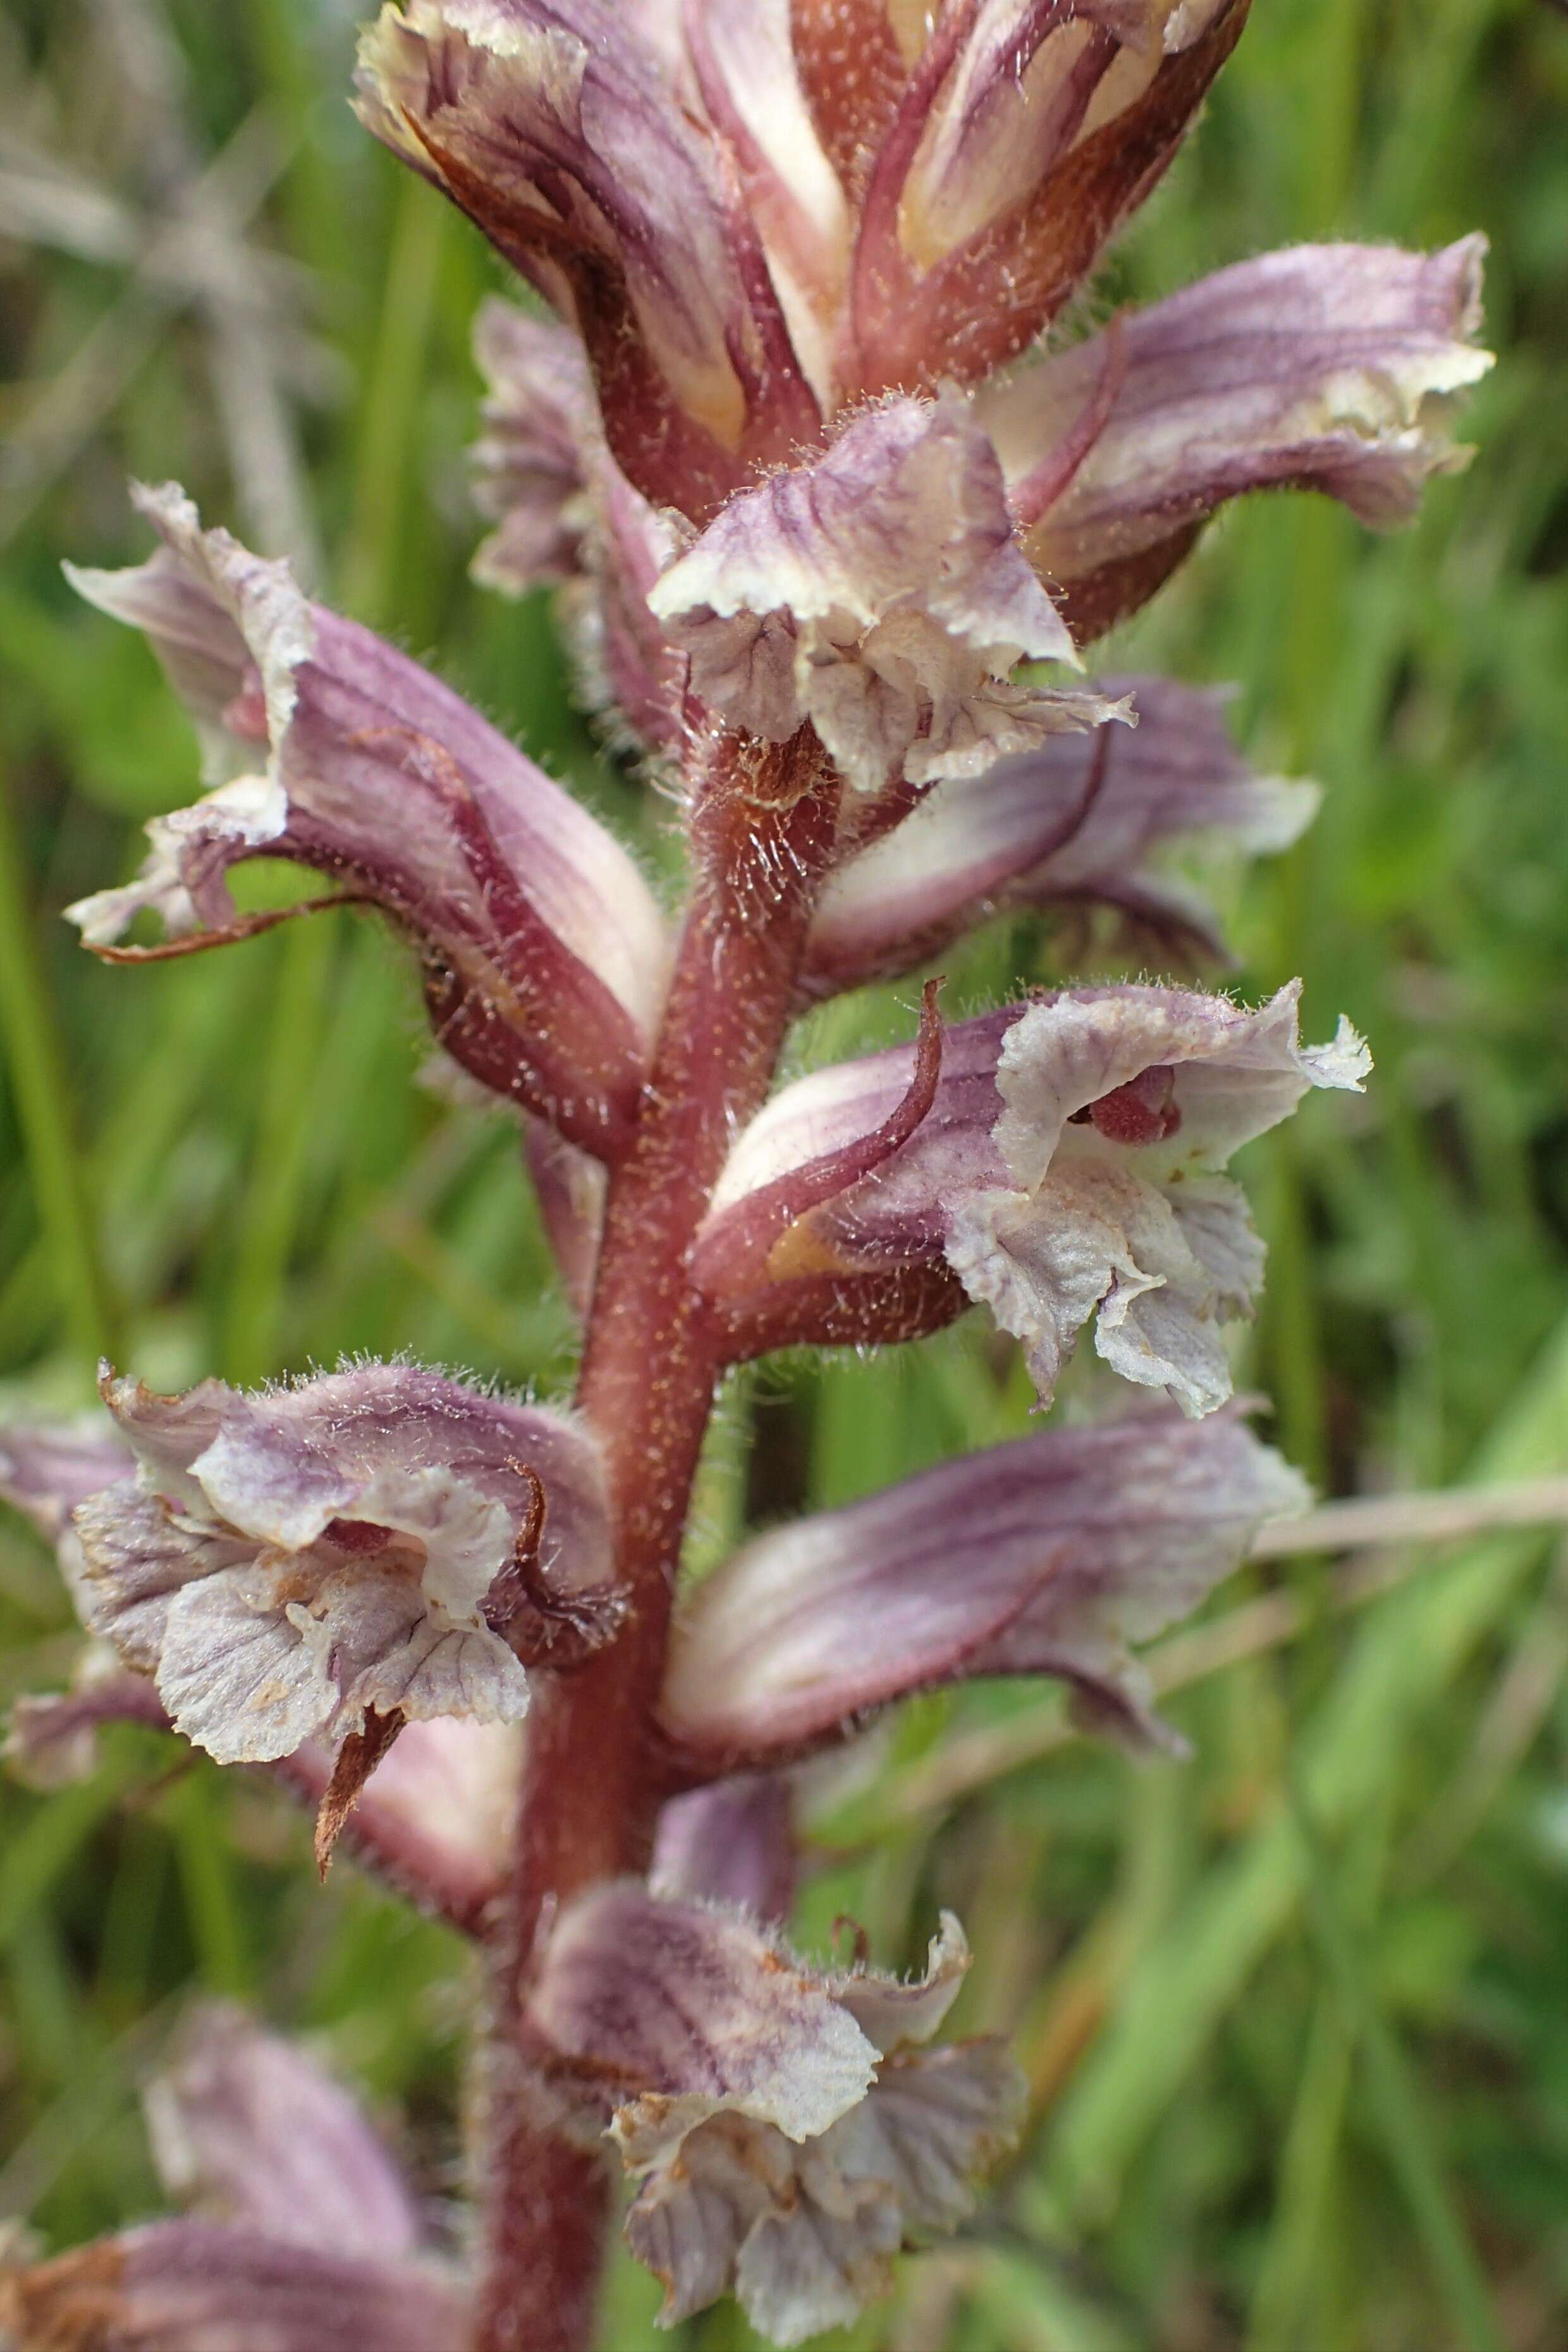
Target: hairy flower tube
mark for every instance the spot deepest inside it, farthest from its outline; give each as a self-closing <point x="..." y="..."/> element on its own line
<point x="835" y="502"/>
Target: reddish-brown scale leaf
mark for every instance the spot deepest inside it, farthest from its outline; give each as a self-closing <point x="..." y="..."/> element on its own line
<point x="986" y="301"/>
<point x="853" y="74"/>
<point x="249" y="926"/>
<point x="1095" y="604"/>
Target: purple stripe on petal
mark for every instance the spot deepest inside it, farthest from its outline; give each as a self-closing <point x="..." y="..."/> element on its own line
<point x="1043" y="830"/>
<point x="1052" y="1556"/>
<point x="546" y="954"/>
<point x="1330" y="367"/>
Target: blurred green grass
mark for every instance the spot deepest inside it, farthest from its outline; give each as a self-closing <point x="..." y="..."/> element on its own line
<point x="1294" y="2014"/>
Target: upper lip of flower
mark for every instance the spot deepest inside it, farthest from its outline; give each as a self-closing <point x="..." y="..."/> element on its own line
<point x="732" y="283"/>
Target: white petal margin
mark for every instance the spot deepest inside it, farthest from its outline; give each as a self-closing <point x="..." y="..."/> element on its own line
<point x="878" y="592"/>
<point x="283" y="1562"/>
<point x="792" y="2133"/>
<point x="1051" y="1556"/>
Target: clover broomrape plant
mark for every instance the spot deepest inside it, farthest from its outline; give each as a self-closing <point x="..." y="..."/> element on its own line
<point x="834" y="518"/>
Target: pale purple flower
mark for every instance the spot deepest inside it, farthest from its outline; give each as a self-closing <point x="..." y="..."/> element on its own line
<point x="288" y="1564"/>
<point x="544" y="952"/>
<point x="306" y="2237"/>
<point x="566" y="516"/>
<point x="1067" y="1167"/>
<point x="788" y="2127"/>
<point x="246" y="2129"/>
<point x="877" y="593"/>
<point x="1327" y="367"/>
<point x="438" y="1820"/>
<point x="528" y="461"/>
<point x="555" y="128"/>
<point x="1051" y="1556"/>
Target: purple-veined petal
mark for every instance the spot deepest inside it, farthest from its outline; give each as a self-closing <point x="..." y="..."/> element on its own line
<point x="248" y="2130"/>
<point x="1330" y="367"/>
<point x="730" y="1842"/>
<point x="286" y="1562"/>
<point x="1026" y="131"/>
<point x="555" y="128"/>
<point x="737" y="2214"/>
<point x="565" y="514"/>
<point x="546" y="954"/>
<point x="528" y="467"/>
<point x="878" y="592"/>
<point x="1050" y="829"/>
<point x="1067" y="1169"/>
<point x="690" y="2011"/>
<point x="786" y="2127"/>
<point x="190" y="2286"/>
<point x="46" y="1468"/>
<point x="742" y="59"/>
<point x="804" y="2238"/>
<point x="1050" y="1555"/>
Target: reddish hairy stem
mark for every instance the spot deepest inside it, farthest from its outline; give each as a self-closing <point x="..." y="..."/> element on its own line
<point x="761" y="837"/>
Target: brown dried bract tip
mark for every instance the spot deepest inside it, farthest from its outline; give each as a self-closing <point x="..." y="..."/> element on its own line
<point x="516" y="1588"/>
<point x="859" y="1941"/>
<point x="358" y="1757"/>
<point x="247" y="927"/>
<point x="71" y="2305"/>
<point x="544" y="1627"/>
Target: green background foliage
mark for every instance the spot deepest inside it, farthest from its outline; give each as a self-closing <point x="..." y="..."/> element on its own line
<point x="1293" y="2015"/>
